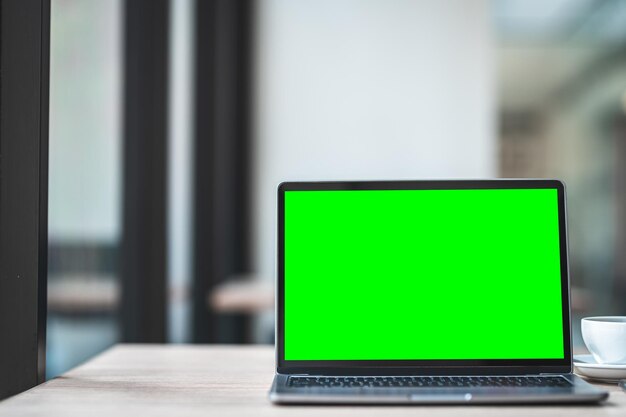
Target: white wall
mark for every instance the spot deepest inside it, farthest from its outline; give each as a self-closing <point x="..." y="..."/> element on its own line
<point x="358" y="89"/>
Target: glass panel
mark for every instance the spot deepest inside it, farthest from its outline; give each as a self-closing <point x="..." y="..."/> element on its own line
<point x="85" y="165"/>
<point x="562" y="86"/>
<point x="180" y="170"/>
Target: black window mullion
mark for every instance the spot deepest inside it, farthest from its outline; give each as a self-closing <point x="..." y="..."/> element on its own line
<point x="143" y="251"/>
<point x="222" y="159"/>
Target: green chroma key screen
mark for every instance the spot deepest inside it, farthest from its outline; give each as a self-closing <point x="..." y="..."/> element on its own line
<point x="422" y="274"/>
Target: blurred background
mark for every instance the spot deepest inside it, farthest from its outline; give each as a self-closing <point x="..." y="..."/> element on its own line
<point x="172" y="122"/>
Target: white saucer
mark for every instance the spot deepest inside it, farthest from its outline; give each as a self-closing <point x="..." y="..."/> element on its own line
<point x="587" y="367"/>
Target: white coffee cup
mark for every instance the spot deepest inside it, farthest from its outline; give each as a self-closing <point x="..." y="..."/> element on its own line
<point x="605" y="337"/>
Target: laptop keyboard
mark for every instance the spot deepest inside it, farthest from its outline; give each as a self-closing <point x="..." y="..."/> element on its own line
<point x="427" y="381"/>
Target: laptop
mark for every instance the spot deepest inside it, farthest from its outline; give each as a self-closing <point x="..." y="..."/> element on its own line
<point x="424" y="292"/>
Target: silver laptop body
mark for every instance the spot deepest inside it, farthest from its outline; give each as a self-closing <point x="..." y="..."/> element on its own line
<point x="302" y="377"/>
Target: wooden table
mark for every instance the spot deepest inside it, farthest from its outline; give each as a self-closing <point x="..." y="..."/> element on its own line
<point x="218" y="381"/>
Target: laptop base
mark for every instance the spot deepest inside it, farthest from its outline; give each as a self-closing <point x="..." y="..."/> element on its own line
<point x="579" y="392"/>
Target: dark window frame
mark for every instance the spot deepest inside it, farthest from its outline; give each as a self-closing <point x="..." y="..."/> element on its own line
<point x="24" y="93"/>
<point x="143" y="255"/>
<point x="222" y="138"/>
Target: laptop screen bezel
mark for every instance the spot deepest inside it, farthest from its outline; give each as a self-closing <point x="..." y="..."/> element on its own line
<point x="416" y="367"/>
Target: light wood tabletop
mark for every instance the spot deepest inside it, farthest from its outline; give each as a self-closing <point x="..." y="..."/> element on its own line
<point x="218" y="380"/>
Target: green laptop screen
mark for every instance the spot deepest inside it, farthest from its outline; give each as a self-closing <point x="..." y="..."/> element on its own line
<point x="422" y="274"/>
